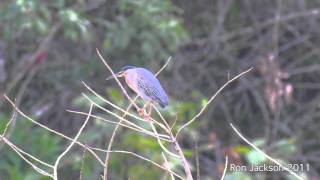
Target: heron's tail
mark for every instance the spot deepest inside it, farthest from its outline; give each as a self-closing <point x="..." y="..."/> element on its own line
<point x="163" y="104"/>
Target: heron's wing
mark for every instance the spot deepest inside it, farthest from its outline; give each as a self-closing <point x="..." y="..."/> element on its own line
<point x="147" y="88"/>
<point x="152" y="88"/>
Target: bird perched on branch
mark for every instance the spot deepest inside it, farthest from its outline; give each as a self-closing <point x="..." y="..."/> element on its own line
<point x="145" y="84"/>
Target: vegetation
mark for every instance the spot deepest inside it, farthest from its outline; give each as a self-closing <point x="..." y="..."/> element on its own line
<point x="47" y="48"/>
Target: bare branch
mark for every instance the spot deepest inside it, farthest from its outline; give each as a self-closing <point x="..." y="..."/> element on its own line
<point x="90" y="149"/>
<point x="164" y="66"/>
<point x="161" y="145"/>
<point x="211" y="99"/>
<point x="39" y="170"/>
<point x="117" y="80"/>
<point x="50" y="130"/>
<point x="55" y="168"/>
<point x="130" y="126"/>
<point x="25" y="153"/>
<point x="161" y="117"/>
<point x="13" y="118"/>
<point x="106" y="161"/>
<point x="225" y="169"/>
<point x="82" y="163"/>
<point x="117" y="116"/>
<point x="185" y="163"/>
<point x="140" y="157"/>
<point x="197" y="159"/>
<point x="168" y="166"/>
<point x="265" y="155"/>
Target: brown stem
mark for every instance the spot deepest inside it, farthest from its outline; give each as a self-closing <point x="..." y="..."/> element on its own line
<point x="185" y="163"/>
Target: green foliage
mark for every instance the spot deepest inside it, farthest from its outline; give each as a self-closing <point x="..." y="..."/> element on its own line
<point x="136" y="172"/>
<point x="285" y="147"/>
<point x="242" y="149"/>
<point x="254" y="157"/>
<point x="38" y="17"/>
<point x="141" y="144"/>
<point x="34" y="140"/>
<point x="281" y="148"/>
<point x="116" y="96"/>
<point x="147" y="29"/>
<point x="3" y="122"/>
<point x="88" y="164"/>
<point x="76" y="25"/>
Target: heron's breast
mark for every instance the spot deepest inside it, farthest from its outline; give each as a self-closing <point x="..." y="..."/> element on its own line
<point x="131" y="80"/>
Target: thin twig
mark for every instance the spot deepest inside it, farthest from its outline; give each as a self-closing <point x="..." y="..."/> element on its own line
<point x="174" y="122"/>
<point x="164" y="66"/>
<point x="55" y="169"/>
<point x="82" y="163"/>
<point x="197" y="159"/>
<point x="48" y="129"/>
<point x="106" y="161"/>
<point x="161" y="117"/>
<point x="185" y="163"/>
<point x="7" y="132"/>
<point x="115" y="106"/>
<point x="211" y="99"/>
<point x="160" y="143"/>
<point x="90" y="149"/>
<point x="25" y="153"/>
<point x="39" y="170"/>
<point x="167" y="166"/>
<point x="13" y="118"/>
<point x="130" y="126"/>
<point x="140" y="157"/>
<point x="117" y="80"/>
<point x="225" y="168"/>
<point x="119" y="117"/>
<point x="179" y="150"/>
<point x="264" y="154"/>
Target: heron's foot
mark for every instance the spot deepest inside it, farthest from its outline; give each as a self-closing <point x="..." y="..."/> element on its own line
<point x="142" y="113"/>
<point x="147" y="116"/>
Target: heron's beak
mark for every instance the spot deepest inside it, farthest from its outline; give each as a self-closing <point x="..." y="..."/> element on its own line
<point x="119" y="74"/>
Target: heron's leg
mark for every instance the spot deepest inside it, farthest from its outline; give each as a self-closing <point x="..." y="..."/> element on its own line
<point x="150" y="109"/>
<point x="143" y="111"/>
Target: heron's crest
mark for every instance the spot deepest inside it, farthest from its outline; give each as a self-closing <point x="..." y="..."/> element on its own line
<point x="127" y="67"/>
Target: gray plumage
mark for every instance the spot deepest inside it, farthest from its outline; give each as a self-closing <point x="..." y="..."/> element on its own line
<point x="145" y="84"/>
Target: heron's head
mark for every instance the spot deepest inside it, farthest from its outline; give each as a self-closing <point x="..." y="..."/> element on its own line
<point x="121" y="73"/>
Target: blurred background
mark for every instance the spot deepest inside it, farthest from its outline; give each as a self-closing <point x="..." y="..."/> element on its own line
<point x="48" y="47"/>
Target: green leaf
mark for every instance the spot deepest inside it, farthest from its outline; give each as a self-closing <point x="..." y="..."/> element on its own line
<point x="285" y="147"/>
<point x="3" y="121"/>
<point x="40" y="26"/>
<point x="254" y="157"/>
<point x="188" y="153"/>
<point x="242" y="149"/>
<point x="259" y="142"/>
<point x="115" y="95"/>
